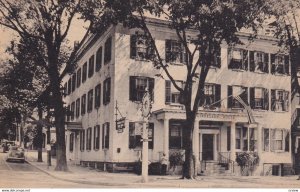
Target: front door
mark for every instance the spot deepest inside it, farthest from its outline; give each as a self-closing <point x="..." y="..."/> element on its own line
<point x="207" y="146"/>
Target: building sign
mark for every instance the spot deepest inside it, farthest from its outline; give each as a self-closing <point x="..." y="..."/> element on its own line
<point x="217" y="116"/>
<point x="120" y="124"/>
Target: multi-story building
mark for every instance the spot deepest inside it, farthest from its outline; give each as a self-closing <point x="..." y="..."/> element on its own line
<point x="114" y="69"/>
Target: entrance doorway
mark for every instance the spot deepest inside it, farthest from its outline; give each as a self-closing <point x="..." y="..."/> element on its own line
<point x="207" y="146"/>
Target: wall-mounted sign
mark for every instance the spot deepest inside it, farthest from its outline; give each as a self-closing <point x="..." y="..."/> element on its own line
<point x="146" y="105"/>
<point x="120" y="124"/>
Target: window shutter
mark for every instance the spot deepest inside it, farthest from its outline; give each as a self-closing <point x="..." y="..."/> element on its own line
<point x="217" y="95"/>
<point x="252" y="62"/>
<point x="108" y="89"/>
<point x="150" y="49"/>
<point x="230" y="98"/>
<point x="273" y="65"/>
<point x="151" y="126"/>
<point x="132" y="46"/>
<point x="245" y="59"/>
<point x="273" y="99"/>
<point x="266" y="99"/>
<point x="244" y="95"/>
<point x="167" y="50"/>
<point x="131" y="135"/>
<point x="132" y="88"/>
<point x="168" y="92"/>
<point x="107" y="136"/>
<point x="287" y="64"/>
<point x="229" y="56"/>
<point x="99" y="59"/>
<point x="252" y="102"/>
<point x="272" y="140"/>
<point x="266" y="63"/>
<point x="286" y="101"/>
<point x="151" y="88"/>
<point x="286" y="140"/>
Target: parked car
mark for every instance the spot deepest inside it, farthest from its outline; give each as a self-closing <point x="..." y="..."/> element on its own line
<point x="16" y="153"/>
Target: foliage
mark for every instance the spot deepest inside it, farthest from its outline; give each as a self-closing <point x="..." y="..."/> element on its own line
<point x="176" y="158"/>
<point x="247" y="161"/>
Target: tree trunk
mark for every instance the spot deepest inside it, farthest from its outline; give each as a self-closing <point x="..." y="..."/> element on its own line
<point x="40" y="134"/>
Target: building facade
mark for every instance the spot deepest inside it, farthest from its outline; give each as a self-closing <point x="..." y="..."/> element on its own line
<point x="103" y="97"/>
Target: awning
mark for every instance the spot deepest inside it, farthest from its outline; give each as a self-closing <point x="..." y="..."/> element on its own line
<point x="73" y="126"/>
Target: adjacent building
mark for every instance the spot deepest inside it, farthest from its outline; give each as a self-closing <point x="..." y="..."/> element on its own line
<point x="103" y="97"/>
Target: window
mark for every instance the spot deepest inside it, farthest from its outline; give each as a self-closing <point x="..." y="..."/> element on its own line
<point x="89" y="139"/>
<point x="279" y="100"/>
<point x="135" y="135"/>
<point x="276" y="139"/>
<point x="238" y="59"/>
<point x="259" y="62"/>
<point x="83" y="104"/>
<point x="234" y="91"/>
<point x="97" y="96"/>
<point x="216" y="61"/>
<point x="137" y="87"/>
<point x="175" y="52"/>
<point x="171" y="93"/>
<point x="105" y="136"/>
<point x="106" y="91"/>
<point x="107" y="50"/>
<point x="212" y="95"/>
<point x="175" y="135"/>
<point x="99" y="59"/>
<point x="84" y="72"/>
<point x="69" y="86"/>
<point x="90" y="101"/>
<point x="71" y="143"/>
<point x="66" y="89"/>
<point x="140" y="48"/>
<point x="73" y="82"/>
<point x="246" y="138"/>
<point x="91" y="66"/>
<point x="77" y="107"/>
<point x="259" y="98"/>
<point x="96" y="137"/>
<point x="280" y="64"/>
<point x="82" y="140"/>
<point x="252" y="139"/>
<point x="78" y="77"/>
<point x="238" y="138"/>
<point x="72" y="110"/>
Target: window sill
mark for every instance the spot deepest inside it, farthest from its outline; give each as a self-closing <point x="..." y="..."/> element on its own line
<point x="260" y="110"/>
<point x="96" y="149"/>
<point x="239" y="70"/>
<point x="280" y="74"/>
<point x="140" y="59"/>
<point x="175" y="63"/>
<point x="260" y="72"/>
<point x="280" y="111"/>
<point x="105" y="149"/>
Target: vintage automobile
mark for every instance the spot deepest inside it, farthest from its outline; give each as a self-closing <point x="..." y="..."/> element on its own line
<point x="16" y="154"/>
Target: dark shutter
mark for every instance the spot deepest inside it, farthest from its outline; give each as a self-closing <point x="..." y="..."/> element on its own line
<point x="287" y="64"/>
<point x="132" y="46"/>
<point x="252" y="61"/>
<point x="151" y="88"/>
<point x="266" y="63"/>
<point x="229" y="138"/>
<point x="252" y="101"/>
<point x="273" y="66"/>
<point x="244" y="95"/>
<point x="108" y="90"/>
<point x="287" y="141"/>
<point x="286" y="101"/>
<point x="167" y="50"/>
<point x="132" y="88"/>
<point x="168" y="92"/>
<point x="131" y="136"/>
<point x="151" y="126"/>
<point x="245" y="59"/>
<point x="107" y="136"/>
<point x="217" y="95"/>
<point x="99" y="59"/>
<point x="150" y="49"/>
<point x="230" y="98"/>
<point x="266" y="99"/>
<point x="273" y="99"/>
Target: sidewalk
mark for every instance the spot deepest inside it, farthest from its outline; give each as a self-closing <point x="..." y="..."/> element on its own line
<point x="85" y="175"/>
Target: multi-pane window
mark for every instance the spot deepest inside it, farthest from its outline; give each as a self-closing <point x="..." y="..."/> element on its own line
<point x="279" y="100"/>
<point x="172" y="95"/>
<point x="212" y="95"/>
<point x="78" y="77"/>
<point x="238" y="138"/>
<point x="175" y="52"/>
<point x="96" y="137"/>
<point x="91" y="66"/>
<point x="280" y="64"/>
<point x="216" y="61"/>
<point x="107" y="50"/>
<point x="77" y="111"/>
<point x="71" y="143"/>
<point x="252" y="139"/>
<point x="276" y="139"/>
<point x="97" y="96"/>
<point x="259" y="98"/>
<point x="82" y="140"/>
<point x="90" y="100"/>
<point x="238" y="59"/>
<point x="73" y="82"/>
<point x="140" y="47"/>
<point x="89" y="139"/>
<point x="84" y="72"/>
<point x="175" y="135"/>
<point x="69" y="86"/>
<point x="246" y="138"/>
<point x="99" y="59"/>
<point x="234" y="91"/>
<point x="106" y="91"/>
<point x="135" y="135"/>
<point x="83" y="104"/>
<point x="259" y="61"/>
<point x="137" y="87"/>
<point x="72" y="110"/>
<point x="105" y="136"/>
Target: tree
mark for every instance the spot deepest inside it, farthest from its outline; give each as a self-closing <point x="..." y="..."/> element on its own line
<point x="48" y="22"/>
<point x="214" y="23"/>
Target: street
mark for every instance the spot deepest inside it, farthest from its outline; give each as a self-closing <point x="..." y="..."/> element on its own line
<point x="24" y="175"/>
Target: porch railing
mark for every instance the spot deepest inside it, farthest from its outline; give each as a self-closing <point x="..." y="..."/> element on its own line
<point x="224" y="159"/>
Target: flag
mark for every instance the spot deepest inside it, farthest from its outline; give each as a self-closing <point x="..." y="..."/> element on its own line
<point x="248" y="109"/>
